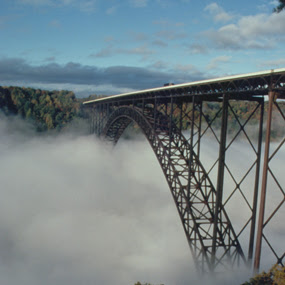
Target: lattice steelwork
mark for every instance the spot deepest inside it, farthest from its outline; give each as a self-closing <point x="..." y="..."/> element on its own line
<point x="217" y="202"/>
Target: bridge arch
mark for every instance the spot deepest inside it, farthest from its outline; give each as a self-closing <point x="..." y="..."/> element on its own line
<point x="210" y="234"/>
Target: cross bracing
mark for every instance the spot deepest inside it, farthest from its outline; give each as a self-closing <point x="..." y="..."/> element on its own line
<point x="178" y="121"/>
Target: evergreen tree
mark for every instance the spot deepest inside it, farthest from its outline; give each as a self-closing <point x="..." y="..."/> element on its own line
<point x="280" y="7"/>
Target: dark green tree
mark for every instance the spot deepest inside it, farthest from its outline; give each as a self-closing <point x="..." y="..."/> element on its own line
<point x="46" y="109"/>
<point x="280" y="6"/>
<point x="275" y="276"/>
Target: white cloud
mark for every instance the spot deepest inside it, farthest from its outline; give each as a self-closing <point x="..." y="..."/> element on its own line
<point x="160" y="43"/>
<point x="5" y="19"/>
<point x="110" y="51"/>
<point x="17" y="72"/>
<point x="109" y="39"/>
<point x="218" y="13"/>
<point x="161" y="22"/>
<point x="50" y="59"/>
<point x="197" y="49"/>
<point x="274" y="63"/>
<point x="111" y="10"/>
<point x="217" y="61"/>
<point x="80" y="90"/>
<point x="262" y="25"/>
<point x="84" y="5"/>
<point x="250" y="32"/>
<point x="87" y="6"/>
<point x="160" y="65"/>
<point x="139" y="36"/>
<point x="67" y="2"/>
<point x="171" y="34"/>
<point x="139" y="3"/>
<point x="142" y="50"/>
<point x="274" y="3"/>
<point x="36" y="2"/>
<point x="185" y="68"/>
<point x="168" y="23"/>
<point x="55" y="23"/>
<point x="104" y="52"/>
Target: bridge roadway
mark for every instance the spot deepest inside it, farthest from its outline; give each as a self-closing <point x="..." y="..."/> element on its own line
<point x="178" y="121"/>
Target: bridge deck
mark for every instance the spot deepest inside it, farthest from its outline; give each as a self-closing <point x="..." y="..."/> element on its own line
<point x="204" y="193"/>
<point x="243" y="86"/>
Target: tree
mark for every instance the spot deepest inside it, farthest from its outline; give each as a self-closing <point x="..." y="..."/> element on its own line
<point x="275" y="276"/>
<point x="280" y="7"/>
<point x="46" y="109"/>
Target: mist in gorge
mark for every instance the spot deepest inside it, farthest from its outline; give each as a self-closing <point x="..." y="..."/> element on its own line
<point x="76" y="211"/>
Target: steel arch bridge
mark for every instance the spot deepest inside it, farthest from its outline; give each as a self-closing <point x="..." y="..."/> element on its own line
<point x="238" y="115"/>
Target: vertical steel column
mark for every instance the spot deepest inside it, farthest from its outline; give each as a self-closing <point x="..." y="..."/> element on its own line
<point x="143" y="105"/>
<point x="101" y="118"/>
<point x="271" y="98"/>
<point x="256" y="186"/>
<point x="190" y="161"/>
<point x="220" y="178"/>
<point x="155" y="111"/>
<point x="199" y="129"/>
<point x="180" y="116"/>
<point x="97" y="120"/>
<point x="91" y="119"/>
<point x="108" y="110"/>
<point x="193" y="249"/>
<point x="191" y="148"/>
<point x="170" y="125"/>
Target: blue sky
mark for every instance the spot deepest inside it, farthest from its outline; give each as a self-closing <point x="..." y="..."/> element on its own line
<point x="111" y="46"/>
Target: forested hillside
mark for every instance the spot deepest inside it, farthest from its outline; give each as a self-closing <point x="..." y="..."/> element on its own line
<point x="49" y="110"/>
<point x="275" y="276"/>
<point x="46" y="109"/>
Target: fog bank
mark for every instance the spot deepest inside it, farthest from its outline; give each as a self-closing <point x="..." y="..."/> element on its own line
<point x="73" y="211"/>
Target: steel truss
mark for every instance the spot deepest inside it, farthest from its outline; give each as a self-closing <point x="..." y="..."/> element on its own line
<point x="178" y="123"/>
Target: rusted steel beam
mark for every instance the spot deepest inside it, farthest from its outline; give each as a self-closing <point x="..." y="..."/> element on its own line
<point x="221" y="170"/>
<point x="271" y="97"/>
<point x="161" y="113"/>
<point x="256" y="187"/>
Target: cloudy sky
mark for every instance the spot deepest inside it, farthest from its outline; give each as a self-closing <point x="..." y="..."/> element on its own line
<point x="111" y="46"/>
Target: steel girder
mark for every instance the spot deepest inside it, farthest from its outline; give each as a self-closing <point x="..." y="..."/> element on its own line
<point x="208" y="229"/>
<point x="177" y="120"/>
<point x="179" y="126"/>
<point x="266" y="218"/>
